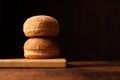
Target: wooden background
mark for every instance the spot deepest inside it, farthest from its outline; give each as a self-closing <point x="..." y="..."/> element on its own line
<point x="90" y="29"/>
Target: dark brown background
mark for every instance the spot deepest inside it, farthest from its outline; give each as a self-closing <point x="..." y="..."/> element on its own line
<point x="90" y="29"/>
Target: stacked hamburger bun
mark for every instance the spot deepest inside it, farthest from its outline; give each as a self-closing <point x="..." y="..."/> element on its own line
<point x="41" y="31"/>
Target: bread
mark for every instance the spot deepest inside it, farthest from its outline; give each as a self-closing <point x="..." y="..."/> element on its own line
<point x="41" y="25"/>
<point x="41" y="48"/>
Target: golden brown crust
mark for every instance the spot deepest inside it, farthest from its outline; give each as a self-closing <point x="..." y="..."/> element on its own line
<point x="41" y="44"/>
<point x="41" y="54"/>
<point x="41" y="25"/>
<point x="41" y="48"/>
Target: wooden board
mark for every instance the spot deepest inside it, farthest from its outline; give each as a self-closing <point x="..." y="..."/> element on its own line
<point x="76" y="73"/>
<point x="93" y="63"/>
<point x="33" y="63"/>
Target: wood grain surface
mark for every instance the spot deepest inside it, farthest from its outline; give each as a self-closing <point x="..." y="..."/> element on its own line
<point x="76" y="73"/>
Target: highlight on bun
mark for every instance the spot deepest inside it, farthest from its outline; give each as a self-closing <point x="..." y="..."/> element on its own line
<point x="41" y="25"/>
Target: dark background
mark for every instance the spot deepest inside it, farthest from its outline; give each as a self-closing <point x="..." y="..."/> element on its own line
<point x="89" y="29"/>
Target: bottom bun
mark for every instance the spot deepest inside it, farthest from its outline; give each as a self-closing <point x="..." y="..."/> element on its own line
<point x="41" y="54"/>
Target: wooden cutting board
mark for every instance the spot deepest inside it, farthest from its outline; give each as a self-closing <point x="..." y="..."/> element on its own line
<point x="33" y="63"/>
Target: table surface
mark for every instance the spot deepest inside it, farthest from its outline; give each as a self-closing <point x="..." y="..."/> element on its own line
<point x="75" y="71"/>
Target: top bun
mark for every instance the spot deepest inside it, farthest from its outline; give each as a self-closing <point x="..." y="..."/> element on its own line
<point x="41" y="25"/>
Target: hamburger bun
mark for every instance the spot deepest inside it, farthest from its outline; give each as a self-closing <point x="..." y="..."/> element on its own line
<point x="41" y="25"/>
<point x="41" y="48"/>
